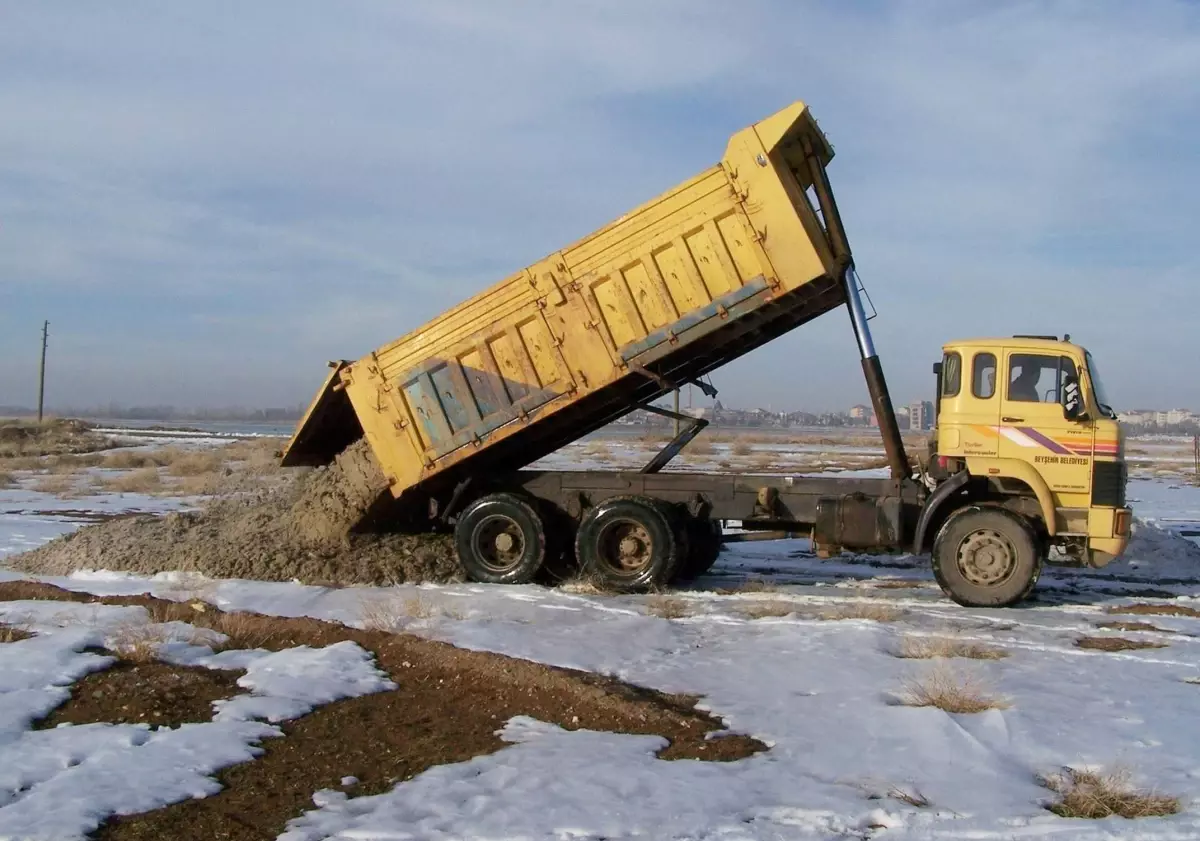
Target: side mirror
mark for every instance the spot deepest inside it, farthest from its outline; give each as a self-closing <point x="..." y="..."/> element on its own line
<point x="1072" y="399"/>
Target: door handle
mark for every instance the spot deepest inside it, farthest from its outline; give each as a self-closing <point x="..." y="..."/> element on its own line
<point x="1013" y="420"/>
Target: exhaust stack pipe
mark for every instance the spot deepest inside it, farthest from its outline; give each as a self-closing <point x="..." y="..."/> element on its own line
<point x="881" y="401"/>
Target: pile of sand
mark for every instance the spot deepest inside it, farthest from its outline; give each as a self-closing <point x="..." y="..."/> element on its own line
<point x="305" y="530"/>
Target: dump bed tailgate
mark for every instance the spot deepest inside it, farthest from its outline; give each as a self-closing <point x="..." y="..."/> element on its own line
<point x="328" y="426"/>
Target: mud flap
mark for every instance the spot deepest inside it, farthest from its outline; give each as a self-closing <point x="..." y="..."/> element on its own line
<point x="327" y="428"/>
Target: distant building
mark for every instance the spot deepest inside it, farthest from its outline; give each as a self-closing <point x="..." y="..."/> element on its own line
<point x="920" y="415"/>
<point x="859" y="412"/>
<point x="1137" y="417"/>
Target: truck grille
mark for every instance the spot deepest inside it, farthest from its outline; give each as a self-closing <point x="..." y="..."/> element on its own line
<point x="1108" y="483"/>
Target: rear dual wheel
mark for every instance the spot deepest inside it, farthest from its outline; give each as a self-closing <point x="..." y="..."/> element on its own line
<point x="704" y="547"/>
<point x="501" y="539"/>
<point x="629" y="544"/>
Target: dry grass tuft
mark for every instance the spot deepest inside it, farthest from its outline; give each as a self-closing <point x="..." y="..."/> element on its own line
<point x="1130" y="626"/>
<point x="1155" y="610"/>
<point x="71" y="463"/>
<point x="242" y="630"/>
<point x="763" y="461"/>
<point x="1115" y="644"/>
<point x="901" y="584"/>
<point x="741" y="448"/>
<point x="928" y="648"/>
<point x="1094" y="795"/>
<point x="699" y="447"/>
<point x="582" y="585"/>
<point x="128" y="460"/>
<point x="391" y="613"/>
<point x="754" y="584"/>
<point x="14" y="632"/>
<point x="912" y="796"/>
<point x="667" y="607"/>
<point x="767" y="610"/>
<point x="196" y="462"/>
<point x="951" y="691"/>
<point x="138" y="642"/>
<point x="7" y="480"/>
<point x="145" y="480"/>
<point x="56" y="484"/>
<point x="23" y="463"/>
<point x="874" y="611"/>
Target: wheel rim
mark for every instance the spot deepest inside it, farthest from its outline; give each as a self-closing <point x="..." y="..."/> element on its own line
<point x="498" y="542"/>
<point x="987" y="558"/>
<point x="626" y="547"/>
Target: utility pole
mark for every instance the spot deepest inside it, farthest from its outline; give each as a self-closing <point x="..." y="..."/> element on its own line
<point x="42" y="369"/>
<point x="676" y="411"/>
<point x="1196" y="459"/>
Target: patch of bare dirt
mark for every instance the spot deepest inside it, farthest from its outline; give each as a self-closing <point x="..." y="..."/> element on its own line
<point x="23" y="591"/>
<point x="308" y="529"/>
<point x="447" y="708"/>
<point x="154" y="693"/>
<point x="1131" y="626"/>
<point x="1155" y="610"/>
<point x="1115" y="644"/>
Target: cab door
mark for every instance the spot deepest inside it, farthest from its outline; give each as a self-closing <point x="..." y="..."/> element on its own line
<point x="978" y="408"/>
<point x="1033" y="427"/>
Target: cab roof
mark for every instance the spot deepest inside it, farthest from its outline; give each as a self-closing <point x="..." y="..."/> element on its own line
<point x="1015" y="342"/>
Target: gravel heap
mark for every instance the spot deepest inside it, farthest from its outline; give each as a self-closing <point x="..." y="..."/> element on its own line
<point x="305" y="530"/>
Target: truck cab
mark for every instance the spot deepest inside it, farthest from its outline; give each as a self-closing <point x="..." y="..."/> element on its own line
<point x="1024" y="423"/>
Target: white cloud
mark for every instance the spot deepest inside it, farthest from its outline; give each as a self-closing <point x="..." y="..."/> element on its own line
<point x="270" y="185"/>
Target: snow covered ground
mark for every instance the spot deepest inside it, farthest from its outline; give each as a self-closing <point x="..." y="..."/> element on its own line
<point x="822" y="693"/>
<point x="62" y="783"/>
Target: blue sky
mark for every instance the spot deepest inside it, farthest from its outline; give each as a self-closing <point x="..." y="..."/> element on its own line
<point x="210" y="200"/>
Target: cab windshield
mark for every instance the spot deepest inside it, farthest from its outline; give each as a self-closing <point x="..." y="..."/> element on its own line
<point x="1098" y="389"/>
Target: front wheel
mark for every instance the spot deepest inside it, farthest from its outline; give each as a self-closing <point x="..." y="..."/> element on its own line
<point x="986" y="557"/>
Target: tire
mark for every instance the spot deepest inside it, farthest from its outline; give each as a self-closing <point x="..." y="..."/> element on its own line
<point x="501" y="539"/>
<point x="986" y="557"/>
<point x="704" y="549"/>
<point x="628" y="544"/>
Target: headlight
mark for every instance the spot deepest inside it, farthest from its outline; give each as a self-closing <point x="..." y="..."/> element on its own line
<point x="1121" y="523"/>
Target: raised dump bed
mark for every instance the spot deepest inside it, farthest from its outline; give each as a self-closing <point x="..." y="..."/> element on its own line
<point x="709" y="270"/>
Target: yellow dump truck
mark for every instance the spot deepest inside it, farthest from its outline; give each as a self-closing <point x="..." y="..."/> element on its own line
<point x="729" y="260"/>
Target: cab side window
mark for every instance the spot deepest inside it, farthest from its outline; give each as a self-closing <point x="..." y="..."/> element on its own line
<point x="983" y="375"/>
<point x="1038" y="377"/>
<point x="951" y="374"/>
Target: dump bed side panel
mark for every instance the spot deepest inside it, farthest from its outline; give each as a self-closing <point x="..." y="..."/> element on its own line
<point x="705" y="272"/>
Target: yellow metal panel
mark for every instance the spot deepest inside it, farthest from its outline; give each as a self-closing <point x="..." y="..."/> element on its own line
<point x="617" y="310"/>
<point x="652" y="221"/>
<point x="646" y="297"/>
<point x="508" y="361"/>
<point x="706" y="255"/>
<point x="740" y="244"/>
<point x="679" y="269"/>
<point x="1023" y="470"/>
<point x="540" y="350"/>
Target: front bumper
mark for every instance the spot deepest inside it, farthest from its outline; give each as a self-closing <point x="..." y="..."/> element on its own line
<point x="1108" y="534"/>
